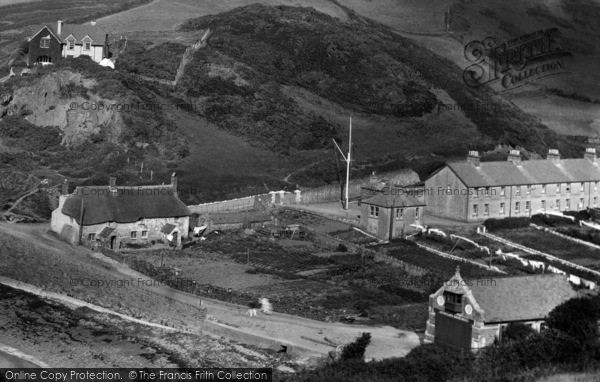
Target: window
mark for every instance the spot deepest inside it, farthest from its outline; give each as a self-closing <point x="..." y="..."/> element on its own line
<point x="568" y="204"/>
<point x="134" y="234"/>
<point x="486" y="209"/>
<point x="374" y="211"/>
<point x="595" y="200"/>
<point x="487" y="191"/>
<point x="558" y="188"/>
<point x="582" y="187"/>
<point x="558" y="204"/>
<point x="144" y="234"/>
<point x="87" y="44"/>
<point x="399" y="213"/>
<point x="417" y="213"/>
<point x="453" y="302"/>
<point x="517" y="207"/>
<point x="544" y="189"/>
<point x="581" y="203"/>
<point x="528" y="190"/>
<point x="527" y="206"/>
<point x="503" y="191"/>
<point x="475" y="209"/>
<point x="501" y="208"/>
<point x="568" y="188"/>
<point x="71" y="44"/>
<point x="518" y="192"/>
<point x="92" y="237"/>
<point x="543" y="205"/>
<point x="476" y="192"/>
<point x="45" y="42"/>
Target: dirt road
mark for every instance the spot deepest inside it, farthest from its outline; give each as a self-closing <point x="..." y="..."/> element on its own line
<point x="230" y="320"/>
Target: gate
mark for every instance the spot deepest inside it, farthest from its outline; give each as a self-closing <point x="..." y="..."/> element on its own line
<point x="452" y="331"/>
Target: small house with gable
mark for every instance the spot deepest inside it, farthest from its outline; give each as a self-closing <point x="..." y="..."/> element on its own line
<point x="471" y="313"/>
<point x="115" y="216"/>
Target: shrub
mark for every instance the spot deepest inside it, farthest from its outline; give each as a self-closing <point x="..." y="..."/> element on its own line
<point x="506" y="223"/>
<point x="578" y="318"/>
<point x="342" y="248"/>
<point x="551" y="220"/>
<point x="356" y="349"/>
<point x="517" y="331"/>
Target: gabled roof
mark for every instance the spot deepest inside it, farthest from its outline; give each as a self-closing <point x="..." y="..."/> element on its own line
<point x="506" y="299"/>
<point x="389" y="200"/>
<point x="126" y="205"/>
<point x="106" y="231"/>
<point x="50" y="30"/>
<point x="79" y="32"/>
<point x="168" y="228"/>
<point x="543" y="171"/>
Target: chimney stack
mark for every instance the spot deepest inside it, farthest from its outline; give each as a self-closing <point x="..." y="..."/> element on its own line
<point x="590" y="154"/>
<point x="65" y="187"/>
<point x="373" y="178"/>
<point x="174" y="183"/>
<point x="112" y="182"/>
<point x="514" y="157"/>
<point x="59" y="27"/>
<point x="93" y="23"/>
<point x="473" y="158"/>
<point x="553" y="155"/>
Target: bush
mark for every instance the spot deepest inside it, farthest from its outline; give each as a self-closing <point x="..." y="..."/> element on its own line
<point x="517" y="331"/>
<point x="507" y="223"/>
<point x="551" y="220"/>
<point x="356" y="349"/>
<point x="342" y="248"/>
<point x="578" y="318"/>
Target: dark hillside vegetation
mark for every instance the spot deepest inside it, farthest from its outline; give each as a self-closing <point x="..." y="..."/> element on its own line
<point x="360" y="64"/>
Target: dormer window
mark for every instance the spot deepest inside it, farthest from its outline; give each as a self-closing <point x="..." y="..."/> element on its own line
<point x="87" y="43"/>
<point x="71" y="43"/>
<point x="45" y="42"/>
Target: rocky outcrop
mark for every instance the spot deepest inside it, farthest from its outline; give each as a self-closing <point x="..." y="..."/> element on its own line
<point x="50" y="101"/>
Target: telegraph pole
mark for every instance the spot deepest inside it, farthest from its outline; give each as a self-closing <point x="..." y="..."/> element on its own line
<point x="347" y="159"/>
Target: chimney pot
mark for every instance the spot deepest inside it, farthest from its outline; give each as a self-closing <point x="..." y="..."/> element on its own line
<point x="59" y="27"/>
<point x="553" y="155"/>
<point x="65" y="188"/>
<point x="514" y="157"/>
<point x="590" y="154"/>
<point x="174" y="182"/>
<point x="112" y="181"/>
<point x="93" y="23"/>
<point x="473" y="158"/>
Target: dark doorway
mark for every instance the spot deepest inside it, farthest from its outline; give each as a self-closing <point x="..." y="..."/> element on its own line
<point x="175" y="239"/>
<point x="452" y="331"/>
<point x="113" y="242"/>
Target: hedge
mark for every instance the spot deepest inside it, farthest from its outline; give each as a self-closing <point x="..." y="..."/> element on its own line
<point x="507" y="223"/>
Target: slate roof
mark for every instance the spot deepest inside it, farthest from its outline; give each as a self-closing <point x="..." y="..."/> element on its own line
<point x="241" y="217"/>
<point x="522" y="297"/>
<point x="95" y="32"/>
<point x="168" y="228"/>
<point x="128" y="205"/>
<point x="389" y="200"/>
<point x="543" y="171"/>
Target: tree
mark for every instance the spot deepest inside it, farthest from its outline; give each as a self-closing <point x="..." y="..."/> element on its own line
<point x="356" y="349"/>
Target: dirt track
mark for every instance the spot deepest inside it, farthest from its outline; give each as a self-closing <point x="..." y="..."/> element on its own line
<point x="300" y="332"/>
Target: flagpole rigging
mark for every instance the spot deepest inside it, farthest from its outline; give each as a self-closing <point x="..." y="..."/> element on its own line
<point x="347" y="159"/>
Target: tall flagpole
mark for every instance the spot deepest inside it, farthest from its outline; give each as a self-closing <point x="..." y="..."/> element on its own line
<point x="348" y="165"/>
<point x="347" y="159"/>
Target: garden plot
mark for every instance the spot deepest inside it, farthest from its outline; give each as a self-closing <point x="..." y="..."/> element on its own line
<point x="553" y="245"/>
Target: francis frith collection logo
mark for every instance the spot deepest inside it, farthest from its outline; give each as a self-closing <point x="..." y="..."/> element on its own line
<point x="515" y="62"/>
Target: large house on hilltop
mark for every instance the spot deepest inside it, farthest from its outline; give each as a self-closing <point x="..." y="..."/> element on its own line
<point x="471" y="313"/>
<point x="114" y="216"/>
<point x="67" y="41"/>
<point x="474" y="191"/>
